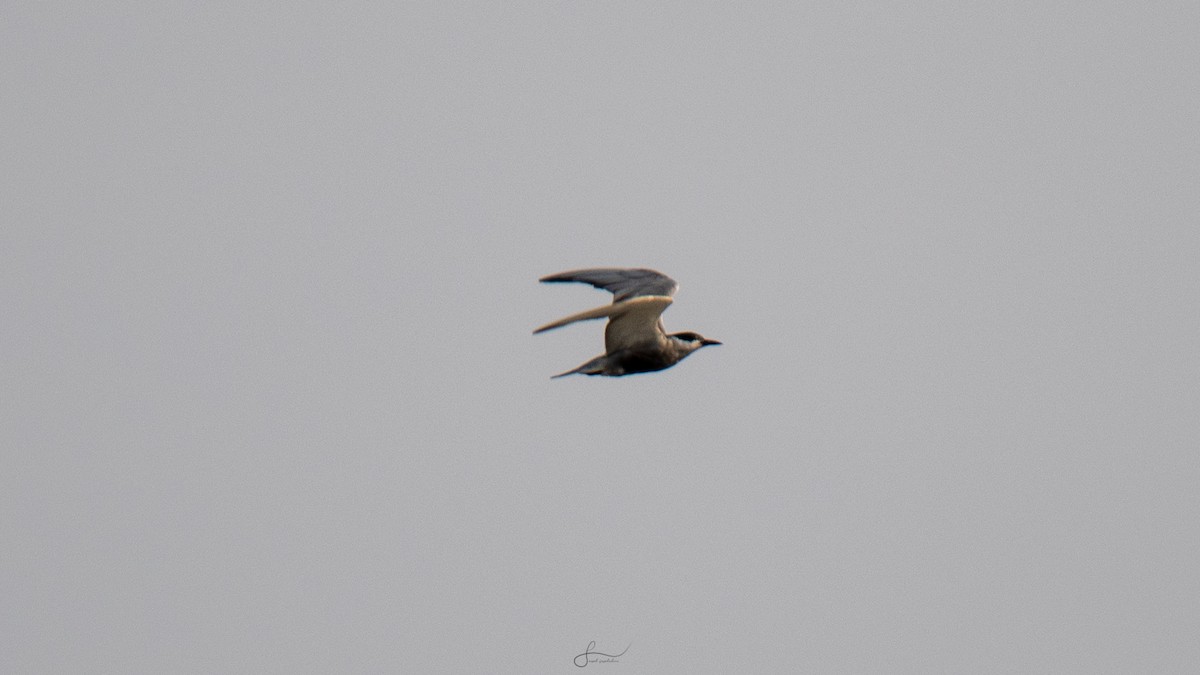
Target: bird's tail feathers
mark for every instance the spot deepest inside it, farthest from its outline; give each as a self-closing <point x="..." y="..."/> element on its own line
<point x="593" y="367"/>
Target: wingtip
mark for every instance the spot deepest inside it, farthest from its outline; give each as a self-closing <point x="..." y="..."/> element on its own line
<point x="552" y="278"/>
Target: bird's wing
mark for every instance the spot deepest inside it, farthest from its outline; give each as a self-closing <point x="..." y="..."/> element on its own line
<point x="623" y="283"/>
<point x="632" y="322"/>
<point x="638" y="326"/>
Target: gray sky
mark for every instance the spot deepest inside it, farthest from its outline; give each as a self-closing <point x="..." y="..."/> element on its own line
<point x="268" y="279"/>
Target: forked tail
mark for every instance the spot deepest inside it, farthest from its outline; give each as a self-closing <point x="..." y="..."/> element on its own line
<point x="593" y="367"/>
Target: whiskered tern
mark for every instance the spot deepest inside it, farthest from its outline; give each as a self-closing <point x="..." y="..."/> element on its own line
<point x="634" y="339"/>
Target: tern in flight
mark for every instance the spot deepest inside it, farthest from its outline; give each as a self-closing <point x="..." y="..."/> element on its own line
<point x="634" y="340"/>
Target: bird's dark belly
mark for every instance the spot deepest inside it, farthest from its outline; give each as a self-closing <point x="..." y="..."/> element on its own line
<point x="633" y="362"/>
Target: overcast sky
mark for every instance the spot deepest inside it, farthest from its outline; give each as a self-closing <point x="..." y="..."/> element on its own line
<point x="268" y="276"/>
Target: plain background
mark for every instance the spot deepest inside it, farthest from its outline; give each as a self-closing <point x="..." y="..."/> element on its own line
<point x="271" y="401"/>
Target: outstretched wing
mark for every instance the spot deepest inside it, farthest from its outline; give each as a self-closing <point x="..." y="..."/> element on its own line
<point x="622" y="283"/>
<point x="639" y="326"/>
<point x="633" y="322"/>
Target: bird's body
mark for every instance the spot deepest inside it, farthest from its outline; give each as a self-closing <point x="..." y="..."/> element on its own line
<point x="634" y="339"/>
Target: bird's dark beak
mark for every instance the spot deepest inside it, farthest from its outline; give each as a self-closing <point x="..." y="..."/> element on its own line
<point x="707" y="342"/>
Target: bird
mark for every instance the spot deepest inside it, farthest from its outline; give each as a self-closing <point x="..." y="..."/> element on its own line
<point x="634" y="339"/>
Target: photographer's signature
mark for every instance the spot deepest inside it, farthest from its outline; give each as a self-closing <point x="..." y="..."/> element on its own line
<point x="599" y="657"/>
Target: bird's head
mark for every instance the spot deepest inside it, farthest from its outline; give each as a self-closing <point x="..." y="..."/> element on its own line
<point x="692" y="341"/>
